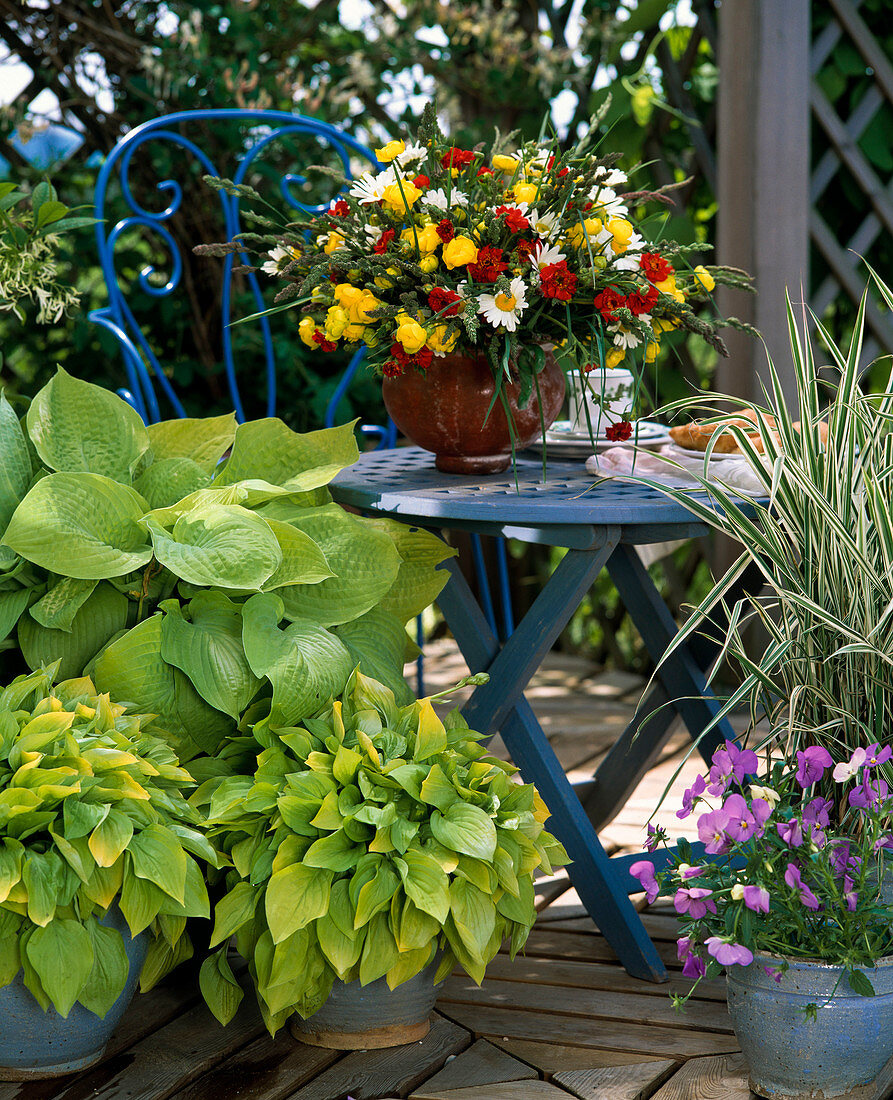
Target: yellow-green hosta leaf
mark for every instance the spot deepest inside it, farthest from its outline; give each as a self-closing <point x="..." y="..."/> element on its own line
<point x="295" y="896"/>
<point x="209" y="650"/>
<point x="521" y="908"/>
<point x="415" y="928"/>
<point x="437" y="790"/>
<point x="42" y="876"/>
<point x="76" y="854"/>
<point x="375" y="896"/>
<point x="466" y="829"/>
<point x="111" y="968"/>
<point x="99" y="618"/>
<point x="204" y="441"/>
<point x="418" y="582"/>
<point x="431" y="737"/>
<point x="168" y="480"/>
<point x="408" y="964"/>
<point x="16" y="469"/>
<point x="426" y="883"/>
<point x="104" y="884"/>
<point x="342" y="950"/>
<point x="335" y="852"/>
<point x="268" y="450"/>
<point x="61" y="603"/>
<point x="303" y="562"/>
<point x="233" y="910"/>
<point x="140" y="902"/>
<point x="364" y="561"/>
<point x="12" y="606"/>
<point x="219" y="545"/>
<point x="11" y="853"/>
<point x="158" y="857"/>
<point x="62" y="955"/>
<point x="80" y="525"/>
<point x="377" y="643"/>
<point x="76" y="426"/>
<point x="110" y="838"/>
<point x="474" y="915"/>
<point x="221" y="991"/>
<point x="380" y="950"/>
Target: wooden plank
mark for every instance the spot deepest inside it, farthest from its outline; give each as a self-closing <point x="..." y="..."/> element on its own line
<point x="659" y="926"/>
<point x="588" y="975"/>
<point x="481" y="1064"/>
<point x="722" y="1078"/>
<point x="551" y="1058"/>
<point x="514" y="1090"/>
<point x="487" y="1021"/>
<point x="267" y="1069"/>
<point x="595" y="1004"/>
<point x="571" y="945"/>
<point x="394" y="1071"/>
<point x="616" y="1082"/>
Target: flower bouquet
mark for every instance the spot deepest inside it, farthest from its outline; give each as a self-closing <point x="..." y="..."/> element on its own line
<point x="495" y="254"/>
<point x="791" y="895"/>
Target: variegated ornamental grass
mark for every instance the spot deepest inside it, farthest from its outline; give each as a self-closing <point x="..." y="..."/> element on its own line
<point x="824" y="545"/>
<point x="92" y="814"/>
<point x="368" y="838"/>
<point x="198" y="565"/>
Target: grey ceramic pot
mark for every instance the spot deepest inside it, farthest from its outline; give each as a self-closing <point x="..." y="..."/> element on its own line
<point x="36" y="1044"/>
<point x="792" y="1057"/>
<point x="364" y="1017"/>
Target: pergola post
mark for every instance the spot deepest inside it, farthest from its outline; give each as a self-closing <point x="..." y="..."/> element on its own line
<point x="763" y="178"/>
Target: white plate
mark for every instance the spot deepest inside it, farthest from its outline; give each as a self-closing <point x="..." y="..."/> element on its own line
<point x="562" y="442"/>
<point x="644" y="431"/>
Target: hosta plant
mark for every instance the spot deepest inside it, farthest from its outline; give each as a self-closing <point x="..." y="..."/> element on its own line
<point x="197" y="565"/>
<point x="92" y="814"/>
<point x="369" y="838"/>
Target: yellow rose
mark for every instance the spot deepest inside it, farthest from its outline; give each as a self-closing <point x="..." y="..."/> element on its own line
<point x="354" y="332"/>
<point x="427" y="237"/>
<point x="399" y="197"/>
<point x="382" y="282"/>
<point x="503" y="163"/>
<point x="614" y="358"/>
<point x="459" y="252"/>
<point x="525" y="192"/>
<point x="578" y="234"/>
<point x="429" y="264"/>
<point x="346" y="295"/>
<point x="306" y="330"/>
<point x="362" y="306"/>
<point x="333" y="242"/>
<point x="337" y="321"/>
<point x="410" y="334"/>
<point x="389" y="151"/>
<point x="439" y="342"/>
<point x="663" y="324"/>
<point x="703" y="276"/>
<point x="621" y="230"/>
<point x="651" y="351"/>
<point x="668" y="287"/>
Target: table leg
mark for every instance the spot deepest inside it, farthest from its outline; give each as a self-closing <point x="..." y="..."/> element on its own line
<point x="602" y="891"/>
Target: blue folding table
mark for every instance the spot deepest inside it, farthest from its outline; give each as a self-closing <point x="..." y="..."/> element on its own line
<point x="601" y="526"/>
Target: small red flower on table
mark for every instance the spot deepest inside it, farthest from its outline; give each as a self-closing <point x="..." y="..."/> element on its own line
<point x="620" y="431"/>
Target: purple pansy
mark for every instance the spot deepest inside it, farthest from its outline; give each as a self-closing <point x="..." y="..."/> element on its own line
<point x="655" y="837"/>
<point x="793" y="879"/>
<point x="875" y="755"/>
<point x="744" y="821"/>
<point x="812" y="763"/>
<point x="816" y="812"/>
<point x="727" y="953"/>
<point x="731" y="763"/>
<point x="643" y="870"/>
<point x="712" y="831"/>
<point x="773" y="972"/>
<point x="790" y="832"/>
<point x="847" y="769"/>
<point x="694" y="967"/>
<point x="756" y="898"/>
<point x="869" y="795"/>
<point x="849" y="894"/>
<point x="686" y="872"/>
<point x="693" y="793"/>
<point x="695" y="901"/>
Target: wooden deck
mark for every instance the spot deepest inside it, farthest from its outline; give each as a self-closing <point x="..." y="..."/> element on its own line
<point x="564" y="1020"/>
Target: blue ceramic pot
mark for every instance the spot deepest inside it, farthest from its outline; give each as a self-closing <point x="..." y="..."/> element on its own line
<point x="792" y="1057"/>
<point x="36" y="1044"/>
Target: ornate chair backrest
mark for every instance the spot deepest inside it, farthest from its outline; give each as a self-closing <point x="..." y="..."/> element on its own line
<point x="270" y="150"/>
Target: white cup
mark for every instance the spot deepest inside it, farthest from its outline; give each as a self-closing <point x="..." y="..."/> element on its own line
<point x="606" y="395"/>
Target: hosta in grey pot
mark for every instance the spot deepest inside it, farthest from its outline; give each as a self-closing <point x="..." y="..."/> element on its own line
<point x="794" y="1057"/>
<point x="363" y="1017"/>
<point x="35" y="1044"/>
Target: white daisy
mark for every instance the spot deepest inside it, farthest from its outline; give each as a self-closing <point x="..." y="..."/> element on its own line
<point x="373" y="232"/>
<point x="411" y="154"/>
<point x="279" y="257"/>
<point x="608" y="203"/>
<point x="504" y="310"/>
<point x="624" y="338"/>
<point x="610" y="177"/>
<point x="370" y="187"/>
<point x="438" y="198"/>
<point x="545" y="254"/>
<point x="544" y="225"/>
<point x="628" y="260"/>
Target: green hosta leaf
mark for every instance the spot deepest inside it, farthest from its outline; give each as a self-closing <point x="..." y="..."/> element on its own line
<point x="110" y="838"/>
<point x="380" y="950"/>
<point x="233" y="910"/>
<point x="11" y="852"/>
<point x="62" y="955"/>
<point x="169" y="480"/>
<point x="303" y="562"/>
<point x="268" y="450"/>
<point x="81" y="818"/>
<point x="158" y="857"/>
<point x="218" y="545"/>
<point x="364" y="562"/>
<point x="58" y="607"/>
<point x="76" y="426"/>
<point x="76" y="853"/>
<point x="16" y="470"/>
<point x="295" y="896"/>
<point x="80" y="525"/>
<point x="341" y="909"/>
<point x="431" y="737"/>
<point x="415" y="928"/>
<point x="99" y="618"/>
<point x="335" y="852"/>
<point x="467" y="830"/>
<point x="377" y="643"/>
<point x="426" y="884"/>
<point x="10" y="959"/>
<point x="42" y="874"/>
<point x="340" y="948"/>
<point x="140" y="902"/>
<point x="111" y="969"/>
<point x="418" y="582"/>
<point x="202" y="441"/>
<point x="522" y="908"/>
<point x="161" y="959"/>
<point x="12" y="605"/>
<point x="219" y="987"/>
<point x="209" y="650"/>
<point x="132" y="668"/>
<point x="375" y="895"/>
<point x="408" y="964"/>
<point x="305" y="663"/>
<point x="437" y="790"/>
<point x="474" y="915"/>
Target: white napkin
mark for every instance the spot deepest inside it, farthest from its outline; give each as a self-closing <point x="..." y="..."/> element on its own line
<point x="669" y="466"/>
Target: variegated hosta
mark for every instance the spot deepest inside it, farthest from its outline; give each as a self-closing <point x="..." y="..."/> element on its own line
<point x="196" y="565"/>
<point x="91" y="814"/>
<point x="369" y="837"/>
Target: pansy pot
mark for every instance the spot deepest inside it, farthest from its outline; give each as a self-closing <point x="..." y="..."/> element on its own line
<point x="806" y="1033"/>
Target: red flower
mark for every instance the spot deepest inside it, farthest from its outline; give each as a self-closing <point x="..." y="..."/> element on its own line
<point x="421" y="181"/>
<point x="524" y="250"/>
<point x="399" y="353"/>
<point x="608" y="302"/>
<point x="640" y="302"/>
<point x="456" y="158"/>
<point x="551" y="163"/>
<point x="619" y="431"/>
<point x="444" y="302"/>
<point x="322" y="343"/>
<point x="390" y="368"/>
<point x="514" y="218"/>
<point x="340" y="209"/>
<point x="485" y="171"/>
<point x="558" y="282"/>
<point x="489" y="266"/>
<point x="446" y="230"/>
<point x="655" y="266"/>
<point x="381" y="245"/>
<point x="422" y="358"/>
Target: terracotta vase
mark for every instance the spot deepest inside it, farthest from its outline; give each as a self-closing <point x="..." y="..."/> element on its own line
<point x="444" y="410"/>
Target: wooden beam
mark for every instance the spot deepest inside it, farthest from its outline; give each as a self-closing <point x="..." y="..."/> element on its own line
<point x="763" y="172"/>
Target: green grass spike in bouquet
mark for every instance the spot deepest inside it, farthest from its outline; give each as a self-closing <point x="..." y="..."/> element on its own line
<point x="369" y="838"/>
<point x="92" y="815"/>
<point x="500" y="249"/>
